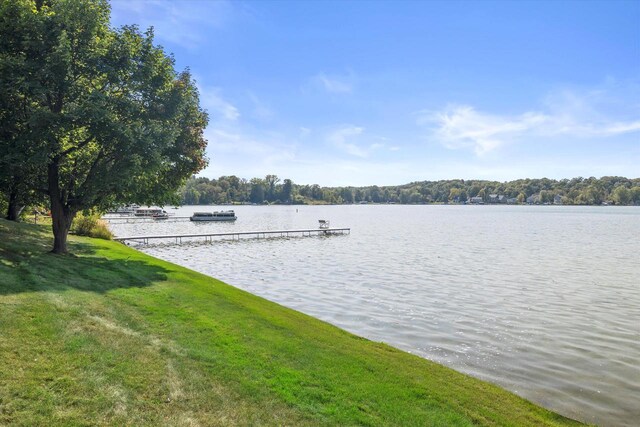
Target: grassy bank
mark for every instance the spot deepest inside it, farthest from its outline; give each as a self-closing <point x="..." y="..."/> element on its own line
<point x="112" y="336"/>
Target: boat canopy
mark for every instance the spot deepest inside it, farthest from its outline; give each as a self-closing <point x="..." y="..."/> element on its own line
<point x="222" y="213"/>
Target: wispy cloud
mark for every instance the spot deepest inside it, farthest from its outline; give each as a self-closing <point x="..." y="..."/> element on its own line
<point x="304" y="132"/>
<point x="618" y="128"/>
<point x="260" y="110"/>
<point x="342" y="138"/>
<point x="462" y="126"/>
<point x="336" y="83"/>
<point x="180" y="22"/>
<point x="217" y="106"/>
<point x="234" y="142"/>
<point x="352" y="140"/>
<point x="594" y="113"/>
<point x="565" y="113"/>
<point x="358" y="172"/>
<point x="240" y="149"/>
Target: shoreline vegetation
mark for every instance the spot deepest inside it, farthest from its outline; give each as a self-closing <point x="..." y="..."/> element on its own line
<point x="111" y="336"/>
<point x="608" y="190"/>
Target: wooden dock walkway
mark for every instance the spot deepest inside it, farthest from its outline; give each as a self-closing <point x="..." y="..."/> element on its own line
<point x="236" y="235"/>
<point x="128" y="219"/>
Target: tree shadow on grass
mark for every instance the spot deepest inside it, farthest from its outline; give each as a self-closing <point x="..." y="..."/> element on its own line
<point x="26" y="265"/>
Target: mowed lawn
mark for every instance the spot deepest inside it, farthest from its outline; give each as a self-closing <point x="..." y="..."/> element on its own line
<point x="110" y="336"/>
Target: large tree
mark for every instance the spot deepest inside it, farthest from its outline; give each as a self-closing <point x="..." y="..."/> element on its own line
<point x="21" y="157"/>
<point x="116" y="122"/>
<point x="271" y="182"/>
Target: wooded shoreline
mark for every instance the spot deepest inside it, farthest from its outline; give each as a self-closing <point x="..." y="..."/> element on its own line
<point x="576" y="191"/>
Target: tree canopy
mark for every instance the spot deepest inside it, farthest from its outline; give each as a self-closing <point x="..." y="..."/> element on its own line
<point x="111" y="119"/>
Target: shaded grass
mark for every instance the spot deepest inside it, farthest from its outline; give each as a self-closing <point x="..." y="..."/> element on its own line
<point x="110" y="336"/>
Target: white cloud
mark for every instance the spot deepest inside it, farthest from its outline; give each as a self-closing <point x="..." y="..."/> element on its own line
<point x="463" y="126"/>
<point x="340" y="84"/>
<point x="260" y="110"/>
<point x="351" y="139"/>
<point x="340" y="138"/>
<point x="304" y="132"/>
<point x="618" y="128"/>
<point x="216" y="105"/>
<point x="222" y="141"/>
<point x="343" y="172"/>
<point x="565" y="113"/>
<point x="358" y="172"/>
<point x="593" y="113"/>
<point x="334" y="85"/>
<point x="254" y="146"/>
<point x="235" y="151"/>
<point x="183" y="23"/>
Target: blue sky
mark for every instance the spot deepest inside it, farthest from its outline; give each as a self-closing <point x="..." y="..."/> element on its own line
<point x="366" y="92"/>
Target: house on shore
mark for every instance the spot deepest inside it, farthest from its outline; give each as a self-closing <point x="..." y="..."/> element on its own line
<point x="497" y="198"/>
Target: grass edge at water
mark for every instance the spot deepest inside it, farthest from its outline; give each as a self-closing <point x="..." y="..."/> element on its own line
<point x="110" y="335"/>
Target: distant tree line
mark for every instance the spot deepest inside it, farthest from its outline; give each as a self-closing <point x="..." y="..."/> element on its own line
<point x="577" y="191"/>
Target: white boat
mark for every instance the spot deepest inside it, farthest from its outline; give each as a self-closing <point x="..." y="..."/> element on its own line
<point x="323" y="223"/>
<point x="148" y="212"/>
<point x="162" y="215"/>
<point x="125" y="210"/>
<point x="214" y="216"/>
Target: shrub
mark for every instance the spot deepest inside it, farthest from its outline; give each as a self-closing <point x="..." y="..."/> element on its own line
<point x="92" y="226"/>
<point x="3" y="205"/>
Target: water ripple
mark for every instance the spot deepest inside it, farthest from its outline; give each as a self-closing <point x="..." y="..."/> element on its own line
<point x="544" y="301"/>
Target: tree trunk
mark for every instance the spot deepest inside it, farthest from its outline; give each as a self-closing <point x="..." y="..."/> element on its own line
<point x="61" y="218"/>
<point x="61" y="214"/>
<point x="14" y="210"/>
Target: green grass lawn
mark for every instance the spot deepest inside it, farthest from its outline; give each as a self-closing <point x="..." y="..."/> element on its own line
<point x="110" y="336"/>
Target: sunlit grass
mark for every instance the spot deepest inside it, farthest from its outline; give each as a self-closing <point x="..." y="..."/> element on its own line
<point x="111" y="336"/>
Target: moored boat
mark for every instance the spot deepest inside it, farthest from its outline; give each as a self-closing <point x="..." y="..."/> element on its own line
<point x="214" y="216"/>
<point x="148" y="212"/>
<point x="124" y="210"/>
<point x="162" y="215"/>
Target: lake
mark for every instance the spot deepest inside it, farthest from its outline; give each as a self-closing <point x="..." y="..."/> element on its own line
<point x="542" y="300"/>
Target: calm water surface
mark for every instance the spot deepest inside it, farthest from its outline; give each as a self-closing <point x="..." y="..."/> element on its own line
<point x="544" y="300"/>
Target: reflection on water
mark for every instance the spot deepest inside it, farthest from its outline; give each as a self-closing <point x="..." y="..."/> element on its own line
<point x="544" y="301"/>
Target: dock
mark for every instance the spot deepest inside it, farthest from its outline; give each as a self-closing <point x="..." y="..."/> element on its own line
<point x="236" y="235"/>
<point x="128" y="219"/>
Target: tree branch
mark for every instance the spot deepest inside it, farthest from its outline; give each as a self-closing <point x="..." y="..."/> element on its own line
<point x="91" y="173"/>
<point x="76" y="147"/>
